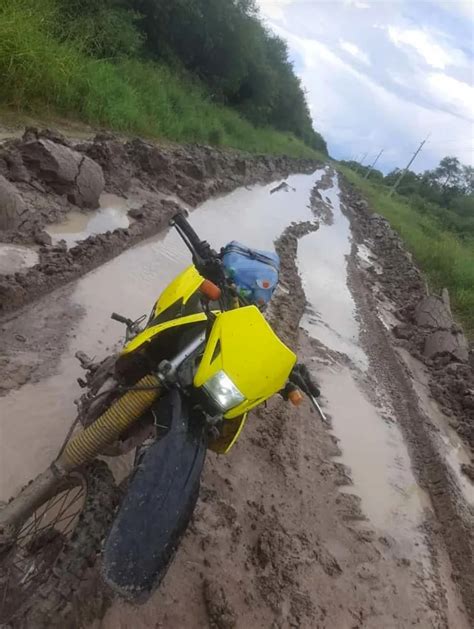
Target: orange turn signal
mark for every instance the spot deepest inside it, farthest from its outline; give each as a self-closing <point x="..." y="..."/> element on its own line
<point x="210" y="290"/>
<point x="295" y="396"/>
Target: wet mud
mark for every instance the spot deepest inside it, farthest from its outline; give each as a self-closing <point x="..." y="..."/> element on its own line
<point x="304" y="524"/>
<point x="51" y="186"/>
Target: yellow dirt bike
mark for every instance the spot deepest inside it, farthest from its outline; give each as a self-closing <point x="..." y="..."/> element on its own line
<point x="182" y="384"/>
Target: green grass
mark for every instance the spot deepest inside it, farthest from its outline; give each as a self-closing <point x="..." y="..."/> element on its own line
<point x="40" y="74"/>
<point x="446" y="261"/>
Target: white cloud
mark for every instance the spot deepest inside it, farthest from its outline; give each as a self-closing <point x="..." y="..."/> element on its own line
<point x="456" y="95"/>
<point x="433" y="53"/>
<point x="368" y="89"/>
<point x="357" y="4"/>
<point x="274" y="9"/>
<point x="464" y="8"/>
<point x="355" y="51"/>
<point x="356" y="113"/>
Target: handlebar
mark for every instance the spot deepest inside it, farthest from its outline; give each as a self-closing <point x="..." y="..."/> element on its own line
<point x="205" y="259"/>
<point x="120" y="319"/>
<point x="184" y="227"/>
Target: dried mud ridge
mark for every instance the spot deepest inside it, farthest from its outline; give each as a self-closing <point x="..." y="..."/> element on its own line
<point x="43" y="176"/>
<point x="427" y="330"/>
<point x="426" y="326"/>
<point x="273" y="543"/>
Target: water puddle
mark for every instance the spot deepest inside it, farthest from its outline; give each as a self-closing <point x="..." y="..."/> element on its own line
<point x="129" y="284"/>
<point x="368" y="260"/>
<point x="16" y="258"/>
<point x="331" y="316"/>
<point x="112" y="214"/>
<point x="370" y="440"/>
<point x="372" y="446"/>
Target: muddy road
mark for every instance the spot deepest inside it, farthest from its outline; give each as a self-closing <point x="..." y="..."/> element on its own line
<point x="362" y="522"/>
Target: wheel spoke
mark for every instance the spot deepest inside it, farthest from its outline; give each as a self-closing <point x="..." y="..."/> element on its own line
<point x="24" y="532"/>
<point x="5" y="590"/>
<point x="28" y="532"/>
<point x="67" y="517"/>
<point x="39" y="541"/>
<point x="64" y="508"/>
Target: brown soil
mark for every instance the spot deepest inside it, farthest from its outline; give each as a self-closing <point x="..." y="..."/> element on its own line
<point x="273" y="542"/>
<point x="39" y="166"/>
<point x="420" y="320"/>
<point x="280" y="537"/>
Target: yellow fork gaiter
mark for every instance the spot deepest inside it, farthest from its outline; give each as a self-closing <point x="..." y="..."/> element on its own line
<point x="110" y="425"/>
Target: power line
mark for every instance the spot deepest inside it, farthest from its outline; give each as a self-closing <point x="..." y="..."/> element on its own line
<point x="403" y="173"/>
<point x="361" y="162"/>
<point x="373" y="164"/>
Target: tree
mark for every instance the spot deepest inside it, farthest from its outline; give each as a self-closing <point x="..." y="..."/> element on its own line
<point x="101" y="28"/>
<point x="449" y="172"/>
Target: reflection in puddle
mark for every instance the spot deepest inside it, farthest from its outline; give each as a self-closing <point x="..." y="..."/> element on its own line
<point x="323" y="268"/>
<point x="129" y="284"/>
<point x="77" y="226"/>
<point x="16" y="258"/>
<point x="374" y="450"/>
<point x="371" y="442"/>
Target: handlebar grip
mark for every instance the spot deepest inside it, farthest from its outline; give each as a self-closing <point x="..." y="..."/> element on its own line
<point x="119" y="318"/>
<point x="182" y="222"/>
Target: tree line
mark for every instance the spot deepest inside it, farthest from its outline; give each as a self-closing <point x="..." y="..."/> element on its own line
<point x="446" y="191"/>
<point x="222" y="42"/>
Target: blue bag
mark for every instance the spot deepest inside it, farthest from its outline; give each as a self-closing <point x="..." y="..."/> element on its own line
<point x="254" y="272"/>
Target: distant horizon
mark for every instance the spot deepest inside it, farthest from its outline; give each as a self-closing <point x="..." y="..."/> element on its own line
<point x="384" y="75"/>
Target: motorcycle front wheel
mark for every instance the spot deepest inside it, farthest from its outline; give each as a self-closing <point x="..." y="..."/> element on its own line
<point x="47" y="576"/>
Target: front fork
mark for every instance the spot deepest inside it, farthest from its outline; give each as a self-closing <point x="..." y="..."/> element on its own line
<point x="92" y="441"/>
<point x="81" y="449"/>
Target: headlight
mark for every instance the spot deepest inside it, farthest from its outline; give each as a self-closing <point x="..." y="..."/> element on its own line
<point x="223" y="391"/>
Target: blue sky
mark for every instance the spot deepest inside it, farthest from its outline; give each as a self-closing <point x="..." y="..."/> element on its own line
<point x="384" y="74"/>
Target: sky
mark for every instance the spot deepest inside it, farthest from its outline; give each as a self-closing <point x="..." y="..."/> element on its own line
<point x="384" y="74"/>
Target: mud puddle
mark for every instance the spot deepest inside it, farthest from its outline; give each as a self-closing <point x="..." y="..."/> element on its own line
<point x="129" y="284"/>
<point x="16" y="258"/>
<point x="363" y="421"/>
<point x="372" y="447"/>
<point x="330" y="316"/>
<point x="111" y="214"/>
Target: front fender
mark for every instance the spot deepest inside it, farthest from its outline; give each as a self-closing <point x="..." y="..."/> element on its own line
<point x="159" y="503"/>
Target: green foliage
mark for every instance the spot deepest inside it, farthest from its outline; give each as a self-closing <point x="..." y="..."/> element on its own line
<point x="40" y="72"/>
<point x="101" y="28"/>
<point x="227" y="46"/>
<point x="446" y="260"/>
<point x="445" y="193"/>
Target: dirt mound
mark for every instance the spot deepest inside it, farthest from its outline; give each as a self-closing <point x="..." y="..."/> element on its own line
<point x="65" y="171"/>
<point x="426" y="326"/>
<point x="11" y="205"/>
<point x="45" y="176"/>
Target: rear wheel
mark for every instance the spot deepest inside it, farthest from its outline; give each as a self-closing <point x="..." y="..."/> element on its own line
<point x="47" y="577"/>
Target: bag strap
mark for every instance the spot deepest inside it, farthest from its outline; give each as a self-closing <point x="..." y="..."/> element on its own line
<point x="254" y="255"/>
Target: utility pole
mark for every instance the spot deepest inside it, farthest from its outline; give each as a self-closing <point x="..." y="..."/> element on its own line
<point x="405" y="170"/>
<point x="362" y="160"/>
<point x="373" y="164"/>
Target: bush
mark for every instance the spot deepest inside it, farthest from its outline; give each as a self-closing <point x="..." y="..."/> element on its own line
<point x="40" y="73"/>
<point x="446" y="260"/>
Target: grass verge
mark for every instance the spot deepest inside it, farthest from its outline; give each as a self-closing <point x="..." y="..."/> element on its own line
<point x="445" y="260"/>
<point x="46" y="76"/>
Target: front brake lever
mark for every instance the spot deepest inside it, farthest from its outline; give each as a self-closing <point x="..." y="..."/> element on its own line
<point x="315" y="403"/>
<point x="301" y="377"/>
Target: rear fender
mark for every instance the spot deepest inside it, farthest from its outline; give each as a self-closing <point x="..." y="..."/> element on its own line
<point x="159" y="503"/>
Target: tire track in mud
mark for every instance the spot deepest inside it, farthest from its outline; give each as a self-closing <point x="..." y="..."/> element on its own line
<point x="454" y="522"/>
<point x="274" y="542"/>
